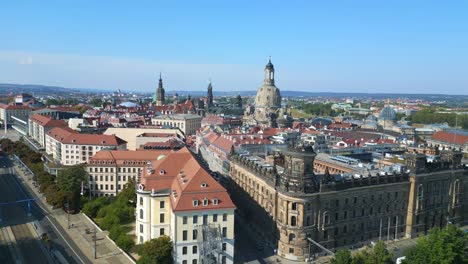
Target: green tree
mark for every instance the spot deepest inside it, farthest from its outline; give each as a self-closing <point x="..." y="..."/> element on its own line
<point x="128" y="192"/>
<point x="442" y="246"/>
<point x="69" y="181"/>
<point x="125" y="242"/>
<point x="96" y="101"/>
<point x="156" y="251"/>
<point x="92" y="207"/>
<point x="342" y="256"/>
<point x="379" y="254"/>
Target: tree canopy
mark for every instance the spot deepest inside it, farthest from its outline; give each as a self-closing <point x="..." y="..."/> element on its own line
<point x="378" y="255"/>
<point x="442" y="246"/>
<point x="156" y="251"/>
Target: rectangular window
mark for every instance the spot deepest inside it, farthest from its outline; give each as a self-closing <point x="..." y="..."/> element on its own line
<point x="194" y="250"/>
<point x="205" y="219"/>
<point x="161" y="232"/>
<point x="224" y="217"/>
<point x="184" y="250"/>
<point x="224" y="246"/>
<point x="195" y="234"/>
<point x="215" y="217"/>
<point x="161" y="204"/>
<point x="224" y="231"/>
<point x="195" y="219"/>
<point x="184" y="235"/>
<point x="184" y="220"/>
<point x="161" y="218"/>
<point x="141" y="228"/>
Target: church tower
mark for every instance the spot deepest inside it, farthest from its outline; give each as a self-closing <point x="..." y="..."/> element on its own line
<point x="269" y="74"/>
<point x="210" y="95"/>
<point x="160" y="93"/>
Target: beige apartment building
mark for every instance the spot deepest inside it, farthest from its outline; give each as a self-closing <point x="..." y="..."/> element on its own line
<point x="39" y="125"/>
<point x="67" y="147"/>
<point x="110" y="170"/>
<point x="178" y="198"/>
<point x="188" y="123"/>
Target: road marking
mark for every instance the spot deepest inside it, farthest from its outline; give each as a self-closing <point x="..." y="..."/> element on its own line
<point x="46" y="216"/>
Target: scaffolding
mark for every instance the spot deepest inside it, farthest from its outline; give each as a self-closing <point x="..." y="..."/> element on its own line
<point x="210" y="241"/>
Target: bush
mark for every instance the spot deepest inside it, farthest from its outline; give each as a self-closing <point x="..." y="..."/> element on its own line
<point x="115" y="231"/>
<point x="92" y="207"/>
<point x="125" y="242"/>
<point x="109" y="221"/>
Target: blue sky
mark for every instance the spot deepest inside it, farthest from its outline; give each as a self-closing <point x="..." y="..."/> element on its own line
<point x="320" y="46"/>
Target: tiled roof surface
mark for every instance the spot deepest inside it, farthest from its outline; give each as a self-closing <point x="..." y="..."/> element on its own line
<point x="68" y="136"/>
<point x="186" y="180"/>
<point x="47" y="121"/>
<point x="450" y="137"/>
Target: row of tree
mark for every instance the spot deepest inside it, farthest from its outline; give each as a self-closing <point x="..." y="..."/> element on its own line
<point x="319" y="109"/>
<point x="60" y="190"/>
<point x="442" y="246"/>
<point x="430" y="116"/>
<point x="113" y="213"/>
<point x="378" y="255"/>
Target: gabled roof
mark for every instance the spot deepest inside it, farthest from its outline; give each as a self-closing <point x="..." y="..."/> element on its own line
<point x="47" y="121"/>
<point x="68" y="136"/>
<point x="181" y="176"/>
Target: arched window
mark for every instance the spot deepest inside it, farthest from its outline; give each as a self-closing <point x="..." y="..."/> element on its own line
<point x="292" y="238"/>
<point x="293" y="221"/>
<point x="141" y="213"/>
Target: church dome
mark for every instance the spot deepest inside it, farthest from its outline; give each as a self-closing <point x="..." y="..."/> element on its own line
<point x="387" y="114"/>
<point x="269" y="65"/>
<point x="268" y="96"/>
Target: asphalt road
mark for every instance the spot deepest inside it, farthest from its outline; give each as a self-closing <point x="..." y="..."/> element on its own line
<point x="17" y="215"/>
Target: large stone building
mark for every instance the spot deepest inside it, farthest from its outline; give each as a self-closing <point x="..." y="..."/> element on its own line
<point x="66" y="147"/>
<point x="295" y="208"/>
<point x="267" y="110"/>
<point x="179" y="198"/>
<point x="110" y="170"/>
<point x="187" y="123"/>
<point x="39" y="126"/>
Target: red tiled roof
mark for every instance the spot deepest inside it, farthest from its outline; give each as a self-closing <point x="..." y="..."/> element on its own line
<point x="13" y="107"/>
<point x="195" y="184"/>
<point x="68" y="136"/>
<point x="129" y="157"/>
<point x="449" y="137"/>
<point x="47" y="121"/>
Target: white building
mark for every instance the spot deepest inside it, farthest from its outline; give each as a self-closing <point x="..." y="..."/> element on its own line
<point x="69" y="148"/>
<point x="178" y="198"/>
<point x="8" y="110"/>
<point x="188" y="123"/>
<point x="110" y="170"/>
<point x="39" y="125"/>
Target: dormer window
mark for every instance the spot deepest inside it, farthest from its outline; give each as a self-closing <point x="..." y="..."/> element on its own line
<point x="205" y="202"/>
<point x="162" y="172"/>
<point x="215" y="201"/>
<point x="195" y="203"/>
<point x="203" y="184"/>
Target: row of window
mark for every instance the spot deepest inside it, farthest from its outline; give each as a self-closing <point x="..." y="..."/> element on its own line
<point x="111" y="169"/>
<point x="205" y="219"/>
<point x="224" y="231"/>
<point x="107" y="177"/>
<point x="205" y="202"/>
<point x="195" y="261"/>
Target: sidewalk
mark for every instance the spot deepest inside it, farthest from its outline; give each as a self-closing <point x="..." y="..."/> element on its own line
<point x="107" y="251"/>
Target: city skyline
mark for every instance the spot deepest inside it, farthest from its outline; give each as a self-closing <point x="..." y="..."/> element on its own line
<point x="360" y="47"/>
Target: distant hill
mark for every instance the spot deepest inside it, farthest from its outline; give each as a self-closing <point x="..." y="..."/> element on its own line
<point x="6" y="88"/>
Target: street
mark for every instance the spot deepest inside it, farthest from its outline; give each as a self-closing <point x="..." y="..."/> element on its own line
<point x="18" y="217"/>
